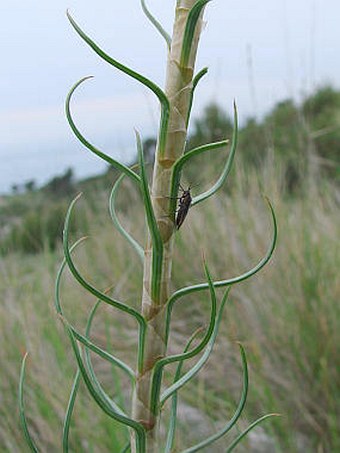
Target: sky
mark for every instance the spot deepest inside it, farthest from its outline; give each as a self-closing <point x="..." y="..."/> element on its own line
<point x="257" y="52"/>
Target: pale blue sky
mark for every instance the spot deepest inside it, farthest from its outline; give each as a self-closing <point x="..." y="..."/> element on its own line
<point x="294" y="46"/>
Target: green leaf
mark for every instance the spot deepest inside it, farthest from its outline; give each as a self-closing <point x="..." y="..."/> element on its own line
<point x="86" y="342"/>
<point x="126" y="448"/>
<point x="156" y="24"/>
<point x="23" y="420"/>
<point x="91" y="346"/>
<point x="76" y="380"/>
<point x="82" y="139"/>
<point x="110" y="404"/>
<point x="91" y="289"/>
<point x="189" y="32"/>
<point x="114" y="360"/>
<point x="246" y="431"/>
<point x="138" y="248"/>
<point x="100" y="398"/>
<point x="135" y="75"/>
<point x="226" y="169"/>
<point x="178" y="166"/>
<point x="160" y="364"/>
<point x="232" y="281"/>
<point x="102" y="353"/>
<point x="198" y="78"/>
<point x="75" y="386"/>
<point x="102" y="296"/>
<point x="57" y="303"/>
<point x="89" y="365"/>
<point x="195" y="82"/>
<point x="173" y="412"/>
<point x="236" y="415"/>
<point x="69" y="410"/>
<point x="130" y="72"/>
<point x="197" y="367"/>
<point x="157" y="244"/>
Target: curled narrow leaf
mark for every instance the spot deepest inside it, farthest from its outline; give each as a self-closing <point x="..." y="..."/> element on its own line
<point x="102" y="401"/>
<point x="160" y="364"/>
<point x="130" y="72"/>
<point x="114" y="360"/>
<point x="222" y="283"/>
<point x="178" y="166"/>
<point x="173" y="412"/>
<point x="179" y="383"/>
<point x="246" y="431"/>
<point x="69" y="411"/>
<point x="76" y="380"/>
<point x="22" y="413"/>
<point x="135" y="75"/>
<point x="156" y="24"/>
<point x="88" y="362"/>
<point x="57" y="302"/>
<point x="75" y="386"/>
<point x="84" y="339"/>
<point x="102" y="353"/>
<point x="126" y="448"/>
<point x="110" y="404"/>
<point x="157" y="244"/>
<point x="197" y="78"/>
<point x="119" y="166"/>
<point x="226" y="169"/>
<point x="100" y="295"/>
<point x="189" y="31"/>
<point x="137" y="247"/>
<point x="195" y="82"/>
<point x="210" y="440"/>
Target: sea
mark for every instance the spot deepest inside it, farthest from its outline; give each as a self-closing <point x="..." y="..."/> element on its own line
<point x="23" y="165"/>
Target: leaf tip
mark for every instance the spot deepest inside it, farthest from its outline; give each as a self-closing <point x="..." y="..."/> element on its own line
<point x="266" y="198"/>
<point x="269" y="203"/>
<point x="79" y="195"/>
<point x="240" y="345"/>
<point x="24" y="358"/>
<point x="136" y="131"/>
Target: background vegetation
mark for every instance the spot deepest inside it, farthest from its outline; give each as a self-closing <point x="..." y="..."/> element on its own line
<point x="287" y="317"/>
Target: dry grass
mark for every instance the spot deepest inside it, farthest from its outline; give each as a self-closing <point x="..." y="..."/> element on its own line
<point x="287" y="317"/>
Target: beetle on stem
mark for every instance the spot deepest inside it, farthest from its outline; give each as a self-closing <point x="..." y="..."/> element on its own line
<point x="183" y="206"/>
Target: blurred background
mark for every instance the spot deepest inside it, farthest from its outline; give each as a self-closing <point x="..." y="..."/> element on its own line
<point x="279" y="61"/>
